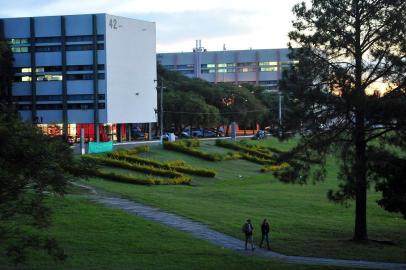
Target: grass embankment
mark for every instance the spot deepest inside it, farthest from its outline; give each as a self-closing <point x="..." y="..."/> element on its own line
<point x="95" y="237"/>
<point x="303" y="222"/>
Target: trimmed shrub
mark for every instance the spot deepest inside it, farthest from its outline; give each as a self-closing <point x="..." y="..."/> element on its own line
<point x="133" y="166"/>
<point x="166" y="166"/>
<point x="139" y="180"/>
<point x="244" y="148"/>
<point x="232" y="156"/>
<point x="180" y="147"/>
<point x="256" y="159"/>
<point x="190" y="143"/>
<point x="276" y="167"/>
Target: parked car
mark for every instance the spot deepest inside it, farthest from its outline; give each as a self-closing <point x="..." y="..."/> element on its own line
<point x="198" y="132"/>
<point x="259" y="135"/>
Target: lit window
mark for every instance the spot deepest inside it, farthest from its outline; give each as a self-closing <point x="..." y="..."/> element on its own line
<point x="268" y="69"/>
<point x="222" y="70"/>
<point x="231" y="64"/>
<point x="49" y="77"/>
<point x="26" y="78"/>
<point x="221" y="65"/>
<point x="211" y="65"/>
<point x="39" y="69"/>
<point x="268" y="63"/>
<point x="25" y="70"/>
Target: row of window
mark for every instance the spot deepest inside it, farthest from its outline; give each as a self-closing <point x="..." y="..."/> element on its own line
<point x="57" y="68"/>
<point x="59" y="97"/>
<point x="57" y="48"/>
<point x="245" y="69"/>
<point x="58" y="106"/>
<point x="262" y="65"/>
<point x="22" y="41"/>
<point x="53" y="77"/>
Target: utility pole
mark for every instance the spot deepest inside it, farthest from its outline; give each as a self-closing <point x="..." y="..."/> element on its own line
<point x="161" y="124"/>
<point x="280" y="113"/>
<point x="162" y="108"/>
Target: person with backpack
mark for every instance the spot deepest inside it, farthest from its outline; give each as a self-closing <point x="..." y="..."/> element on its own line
<point x="265" y="232"/>
<point x="248" y="230"/>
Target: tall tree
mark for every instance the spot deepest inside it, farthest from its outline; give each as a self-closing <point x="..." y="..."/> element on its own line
<point x="347" y="97"/>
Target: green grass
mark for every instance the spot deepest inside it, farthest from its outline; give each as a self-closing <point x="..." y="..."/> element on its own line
<point x="95" y="237"/>
<point x="303" y="221"/>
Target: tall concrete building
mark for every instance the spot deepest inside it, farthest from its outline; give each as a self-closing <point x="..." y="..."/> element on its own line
<point x="83" y="71"/>
<point x="258" y="67"/>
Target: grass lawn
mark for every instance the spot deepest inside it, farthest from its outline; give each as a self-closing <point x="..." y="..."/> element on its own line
<point x="302" y="220"/>
<point x="95" y="237"/>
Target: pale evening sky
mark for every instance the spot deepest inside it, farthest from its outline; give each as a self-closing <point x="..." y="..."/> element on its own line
<point x="239" y="24"/>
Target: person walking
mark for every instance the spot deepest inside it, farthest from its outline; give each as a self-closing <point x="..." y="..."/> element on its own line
<point x="265" y="232"/>
<point x="248" y="230"/>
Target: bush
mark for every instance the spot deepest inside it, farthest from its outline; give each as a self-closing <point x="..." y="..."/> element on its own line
<point x="179" y="166"/>
<point x="232" y="156"/>
<point x="132" y="166"/>
<point x="139" y="180"/>
<point x="276" y="167"/>
<point x="245" y="148"/>
<point x="180" y="147"/>
<point x="255" y="159"/>
<point x="190" y="143"/>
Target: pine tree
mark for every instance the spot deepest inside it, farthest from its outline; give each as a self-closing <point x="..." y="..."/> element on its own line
<point x="347" y="97"/>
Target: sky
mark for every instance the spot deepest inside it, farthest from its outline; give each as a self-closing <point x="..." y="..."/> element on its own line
<point x="235" y="24"/>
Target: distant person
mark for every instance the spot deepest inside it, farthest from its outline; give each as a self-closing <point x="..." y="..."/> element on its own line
<point x="265" y="232"/>
<point x="248" y="230"/>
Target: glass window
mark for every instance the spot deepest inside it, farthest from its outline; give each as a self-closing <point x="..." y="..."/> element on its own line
<point x="273" y="63"/>
<point x="49" y="77"/>
<point x="268" y="69"/>
<point x="211" y="65"/>
<point x="25" y="70"/>
<point x="48" y="39"/>
<point x="222" y="65"/>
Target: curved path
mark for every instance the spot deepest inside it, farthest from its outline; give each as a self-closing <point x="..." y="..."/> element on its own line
<point x="219" y="239"/>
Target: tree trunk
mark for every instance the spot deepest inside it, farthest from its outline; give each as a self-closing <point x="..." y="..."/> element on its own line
<point x="360" y="230"/>
<point x="360" y="168"/>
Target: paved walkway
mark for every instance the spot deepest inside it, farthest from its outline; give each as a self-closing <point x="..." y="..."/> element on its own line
<point x="219" y="239"/>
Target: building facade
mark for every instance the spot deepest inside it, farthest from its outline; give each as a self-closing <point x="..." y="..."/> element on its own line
<point x="258" y="67"/>
<point x="95" y="71"/>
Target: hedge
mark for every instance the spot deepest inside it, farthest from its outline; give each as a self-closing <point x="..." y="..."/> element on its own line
<point x="178" y="166"/>
<point x="244" y="148"/>
<point x="180" y="147"/>
<point x="132" y="166"/>
<point x="255" y="159"/>
<point x="141" y="181"/>
<point x="276" y="167"/>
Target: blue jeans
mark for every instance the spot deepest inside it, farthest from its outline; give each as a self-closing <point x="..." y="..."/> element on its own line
<point x="251" y="239"/>
<point x="264" y="237"/>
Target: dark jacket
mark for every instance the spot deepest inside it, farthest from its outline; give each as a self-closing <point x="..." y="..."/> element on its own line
<point x="248" y="229"/>
<point x="265" y="228"/>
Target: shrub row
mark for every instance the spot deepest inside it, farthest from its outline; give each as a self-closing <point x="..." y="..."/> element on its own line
<point x="180" y="147"/>
<point x="132" y="166"/>
<point x="190" y="143"/>
<point x="141" y="181"/>
<point x="178" y="166"/>
<point x="244" y="148"/>
<point x="135" y="150"/>
<point x="276" y="167"/>
<point x="256" y="159"/>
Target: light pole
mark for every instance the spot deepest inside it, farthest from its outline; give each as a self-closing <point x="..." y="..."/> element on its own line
<point x="161" y="124"/>
<point x="280" y="112"/>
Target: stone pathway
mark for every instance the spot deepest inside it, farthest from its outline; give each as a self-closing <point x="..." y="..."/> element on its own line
<point x="219" y="239"/>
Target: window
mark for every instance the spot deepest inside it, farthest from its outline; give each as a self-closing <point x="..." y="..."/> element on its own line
<point x="58" y="97"/>
<point x="88" y="76"/>
<point x="246" y="69"/>
<point x="222" y="65"/>
<point x="58" y="106"/>
<point x="48" y="48"/>
<point x="247" y="64"/>
<point x="20" y="49"/>
<point x="268" y="63"/>
<point x="26" y="70"/>
<point x="17" y="41"/>
<point x="48" y="39"/>
<point x="22" y="78"/>
<point x="268" y="69"/>
<point x="185" y="72"/>
<point x="49" y="77"/>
